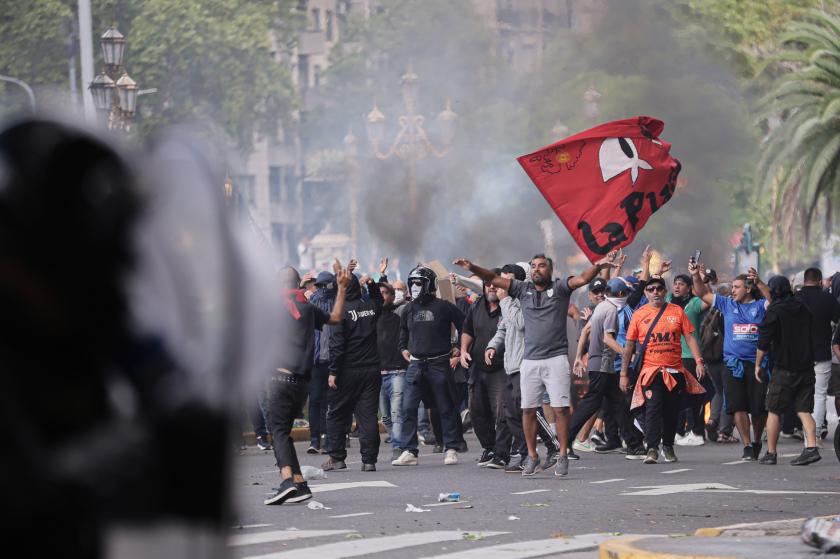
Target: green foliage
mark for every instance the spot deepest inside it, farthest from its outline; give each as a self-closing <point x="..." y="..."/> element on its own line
<point x="800" y="161"/>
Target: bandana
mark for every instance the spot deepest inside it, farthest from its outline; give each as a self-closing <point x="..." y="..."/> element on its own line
<point x="290" y="296"/>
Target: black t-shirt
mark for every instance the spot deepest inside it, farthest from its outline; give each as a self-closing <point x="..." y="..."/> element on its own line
<point x="481" y="323"/>
<point x="298" y="344"/>
<point x="824" y="309"/>
<point x="426" y="328"/>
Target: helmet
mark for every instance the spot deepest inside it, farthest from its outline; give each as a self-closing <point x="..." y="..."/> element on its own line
<point x="423" y="278"/>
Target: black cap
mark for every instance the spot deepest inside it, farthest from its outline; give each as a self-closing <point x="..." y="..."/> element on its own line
<point x="658" y="280"/>
<point x="711" y="275"/>
<point x="598" y="285"/>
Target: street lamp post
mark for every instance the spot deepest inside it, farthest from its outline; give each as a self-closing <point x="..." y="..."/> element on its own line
<point x="114" y="92"/>
<point x="350" y="152"/>
<point x="411" y="144"/>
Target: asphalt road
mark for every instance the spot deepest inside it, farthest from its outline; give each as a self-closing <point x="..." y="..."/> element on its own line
<point x="709" y="486"/>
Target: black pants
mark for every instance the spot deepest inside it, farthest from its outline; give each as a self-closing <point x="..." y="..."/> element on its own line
<point x="357" y="393"/>
<point x="318" y="402"/>
<point x="286" y="395"/>
<point x="487" y="393"/>
<point x="513" y="419"/>
<point x="602" y="387"/>
<point x="662" y="410"/>
<point x="692" y="416"/>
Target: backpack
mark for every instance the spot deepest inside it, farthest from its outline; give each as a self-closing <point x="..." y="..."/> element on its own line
<point x="711" y="336"/>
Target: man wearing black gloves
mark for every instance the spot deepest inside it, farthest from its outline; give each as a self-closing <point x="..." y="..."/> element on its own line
<point x="355" y="377"/>
<point x="287" y="385"/>
<point x="426" y="343"/>
<point x="486" y="381"/>
<point x="786" y="333"/>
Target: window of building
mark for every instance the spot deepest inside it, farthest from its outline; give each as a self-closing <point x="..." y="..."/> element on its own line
<point x="246" y="187"/>
<point x="316" y="75"/>
<point x="329" y="25"/>
<point x="316" y="19"/>
<point x="303" y="72"/>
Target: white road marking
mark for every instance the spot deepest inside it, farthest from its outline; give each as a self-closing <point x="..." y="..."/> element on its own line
<point x="534" y="548"/>
<point x="281" y="536"/>
<point x="245" y="527"/>
<point x="359" y="547"/>
<point x="717" y="488"/>
<point x="320" y="488"/>
<point x="676" y="471"/>
<point x="735" y="462"/>
<point x="608" y="480"/>
<point x="531" y="491"/>
<point x="446" y="504"/>
<point x="351" y="515"/>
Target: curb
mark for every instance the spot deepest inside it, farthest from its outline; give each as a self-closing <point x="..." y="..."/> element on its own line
<point x="623" y="548"/>
<point x="786" y="527"/>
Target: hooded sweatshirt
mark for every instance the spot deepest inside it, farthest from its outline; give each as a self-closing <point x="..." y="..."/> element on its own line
<point x="824" y="309"/>
<point x="324" y="299"/>
<point x="481" y="323"/>
<point x="786" y="333"/>
<point x="510" y="335"/>
<point x="353" y="343"/>
<point x="388" y="339"/>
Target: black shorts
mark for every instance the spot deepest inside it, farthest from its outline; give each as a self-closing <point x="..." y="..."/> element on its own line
<point x="791" y="387"/>
<point x="834" y="380"/>
<point x="746" y="393"/>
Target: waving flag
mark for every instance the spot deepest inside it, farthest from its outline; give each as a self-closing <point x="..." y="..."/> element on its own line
<point x="604" y="183"/>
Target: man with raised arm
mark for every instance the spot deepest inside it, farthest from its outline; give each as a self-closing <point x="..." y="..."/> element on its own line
<point x="545" y="364"/>
<point x="742" y="314"/>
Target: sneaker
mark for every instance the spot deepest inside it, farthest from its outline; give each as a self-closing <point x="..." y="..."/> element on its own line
<point x="395" y="454"/>
<point x="798" y="434"/>
<point x="437" y="449"/>
<point x="562" y="468"/>
<point x="550" y="460"/>
<point x="668" y="453"/>
<point x="462" y="447"/>
<point x="263" y="444"/>
<point x="313" y="449"/>
<point x="784" y="435"/>
<point x="652" y="456"/>
<point x="678" y="438"/>
<point x="497" y="463"/>
<point x="756" y="450"/>
<point x="637" y="453"/>
<point x="712" y="430"/>
<point x="587" y="446"/>
<point x="808" y="456"/>
<point x="608" y="447"/>
<point x="690" y="439"/>
<point x="426" y="440"/>
<point x="571" y="454"/>
<point x="303" y="493"/>
<point x="747" y="456"/>
<point x="466" y="421"/>
<point x="598" y="437"/>
<point x="333" y="464"/>
<point x="286" y="490"/>
<point x="387" y="440"/>
<point x="451" y="457"/>
<point x="769" y="459"/>
<point x="515" y="467"/>
<point x="368" y="467"/>
<point x="530" y="465"/>
<point x="823" y="432"/>
<point x="724" y="438"/>
<point x="407" y="458"/>
<point x="485" y="458"/>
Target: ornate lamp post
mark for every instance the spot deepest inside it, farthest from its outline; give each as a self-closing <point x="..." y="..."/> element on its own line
<point x="411" y="144"/>
<point x="351" y="150"/>
<point x="119" y="107"/>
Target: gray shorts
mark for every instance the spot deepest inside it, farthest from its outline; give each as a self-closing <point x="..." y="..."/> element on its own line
<point x="541" y="376"/>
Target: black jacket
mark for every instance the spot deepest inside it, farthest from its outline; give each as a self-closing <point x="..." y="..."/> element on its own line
<point x="426" y="327"/>
<point x="824" y="309"/>
<point x="481" y="323"/>
<point x="786" y="333"/>
<point x="388" y="340"/>
<point x="353" y="343"/>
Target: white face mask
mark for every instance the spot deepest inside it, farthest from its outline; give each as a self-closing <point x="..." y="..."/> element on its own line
<point x="399" y="296"/>
<point x="619" y="302"/>
<point x="415" y="291"/>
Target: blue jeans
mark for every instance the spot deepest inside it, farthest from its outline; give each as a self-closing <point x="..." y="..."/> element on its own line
<point x="390" y="405"/>
<point x="431" y="377"/>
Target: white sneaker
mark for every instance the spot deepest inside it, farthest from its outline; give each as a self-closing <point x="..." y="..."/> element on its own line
<point x="691" y="439"/>
<point x="406" y="459"/>
<point x="451" y="457"/>
<point x="588" y="446"/>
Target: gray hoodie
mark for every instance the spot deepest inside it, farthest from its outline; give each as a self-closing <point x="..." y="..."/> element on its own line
<point x="510" y="334"/>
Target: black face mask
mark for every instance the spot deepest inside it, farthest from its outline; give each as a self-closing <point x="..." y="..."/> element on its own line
<point x="681" y="301"/>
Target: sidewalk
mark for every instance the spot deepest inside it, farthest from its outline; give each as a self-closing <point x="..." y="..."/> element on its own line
<point x="740" y="541"/>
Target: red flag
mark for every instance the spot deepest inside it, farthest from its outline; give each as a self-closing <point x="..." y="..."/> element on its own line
<point x="604" y="183"/>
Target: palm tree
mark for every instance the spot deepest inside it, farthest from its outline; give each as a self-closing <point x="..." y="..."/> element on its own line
<point x="800" y="159"/>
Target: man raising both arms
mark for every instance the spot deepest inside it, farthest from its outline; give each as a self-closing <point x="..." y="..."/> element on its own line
<point x="545" y="364"/>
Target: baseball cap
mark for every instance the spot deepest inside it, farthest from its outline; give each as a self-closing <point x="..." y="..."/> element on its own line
<point x="324" y="278"/>
<point x="660" y="281"/>
<point x="711" y="275"/>
<point x="598" y="285"/>
<point x="617" y="285"/>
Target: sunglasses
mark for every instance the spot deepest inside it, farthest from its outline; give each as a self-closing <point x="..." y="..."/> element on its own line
<point x="654" y="288"/>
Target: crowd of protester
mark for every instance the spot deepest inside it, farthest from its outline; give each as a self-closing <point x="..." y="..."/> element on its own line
<point x="658" y="363"/>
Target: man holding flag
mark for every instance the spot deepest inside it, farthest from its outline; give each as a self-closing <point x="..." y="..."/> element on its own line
<point x="545" y="363"/>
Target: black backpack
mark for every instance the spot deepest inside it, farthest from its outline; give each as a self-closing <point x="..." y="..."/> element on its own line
<point x="711" y="336"/>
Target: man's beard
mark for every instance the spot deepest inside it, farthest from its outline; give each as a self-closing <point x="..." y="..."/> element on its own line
<point x="492" y="297"/>
<point x="541" y="281"/>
